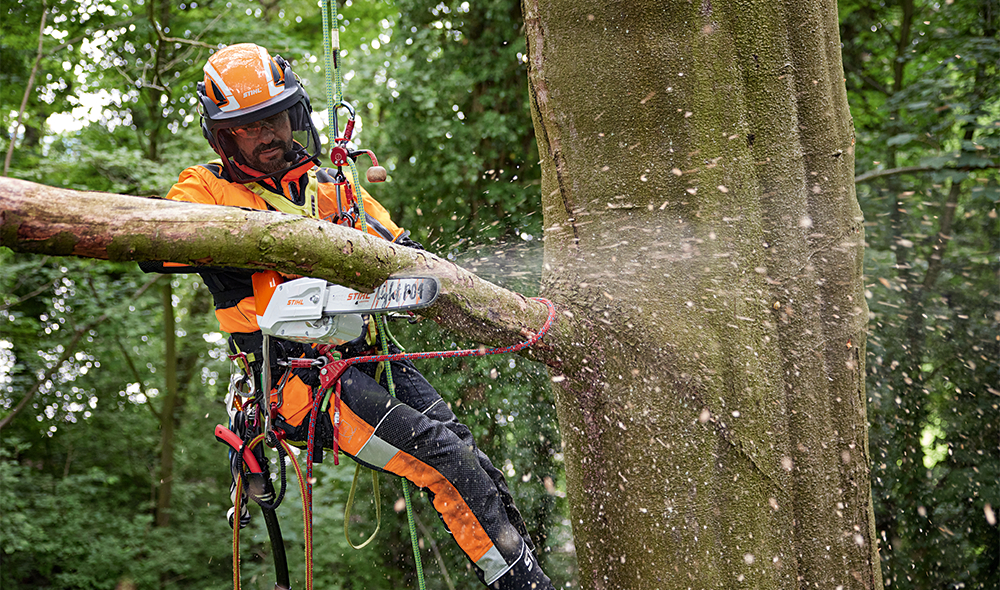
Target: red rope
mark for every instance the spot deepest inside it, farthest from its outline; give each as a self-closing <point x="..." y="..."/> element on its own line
<point x="335" y="368"/>
<point x="330" y="376"/>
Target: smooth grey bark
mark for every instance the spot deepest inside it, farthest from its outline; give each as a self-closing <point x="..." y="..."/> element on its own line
<point x="701" y="225"/>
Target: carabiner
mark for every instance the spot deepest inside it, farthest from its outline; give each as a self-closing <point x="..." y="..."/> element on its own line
<point x="339" y="154"/>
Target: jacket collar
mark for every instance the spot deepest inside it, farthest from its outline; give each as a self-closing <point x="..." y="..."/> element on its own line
<point x="283" y="184"/>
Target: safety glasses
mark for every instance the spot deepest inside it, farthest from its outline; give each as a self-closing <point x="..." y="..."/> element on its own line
<point x="255" y="129"/>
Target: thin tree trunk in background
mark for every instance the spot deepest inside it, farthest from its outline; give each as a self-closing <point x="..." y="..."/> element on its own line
<point x="170" y="402"/>
<point x="27" y="89"/>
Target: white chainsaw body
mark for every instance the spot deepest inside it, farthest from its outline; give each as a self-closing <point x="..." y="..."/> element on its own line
<point x="315" y="311"/>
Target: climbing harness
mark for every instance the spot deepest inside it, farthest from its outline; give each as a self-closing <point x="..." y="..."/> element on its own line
<point x="331" y="368"/>
<point x="250" y="406"/>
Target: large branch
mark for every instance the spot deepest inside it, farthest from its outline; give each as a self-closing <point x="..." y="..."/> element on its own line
<point x="873" y="174"/>
<point x="41" y="219"/>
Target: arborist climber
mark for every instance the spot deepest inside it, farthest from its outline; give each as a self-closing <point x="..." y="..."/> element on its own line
<point x="256" y="116"/>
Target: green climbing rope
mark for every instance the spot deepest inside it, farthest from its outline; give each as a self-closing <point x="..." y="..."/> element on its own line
<point x="335" y="99"/>
<point x="331" y="57"/>
<point x="335" y="93"/>
<point x="384" y="336"/>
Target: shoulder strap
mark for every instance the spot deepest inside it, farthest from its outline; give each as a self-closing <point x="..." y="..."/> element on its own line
<point x="308" y="208"/>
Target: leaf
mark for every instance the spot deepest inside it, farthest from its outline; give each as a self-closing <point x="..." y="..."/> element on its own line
<point x="901" y="139"/>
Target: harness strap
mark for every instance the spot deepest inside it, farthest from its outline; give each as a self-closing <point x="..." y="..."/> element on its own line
<point x="309" y="208"/>
<point x="346" y="194"/>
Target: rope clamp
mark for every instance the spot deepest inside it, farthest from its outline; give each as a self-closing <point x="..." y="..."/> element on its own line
<point x="333" y="370"/>
<point x="302" y="363"/>
<point x="339" y="154"/>
<point x="274" y="436"/>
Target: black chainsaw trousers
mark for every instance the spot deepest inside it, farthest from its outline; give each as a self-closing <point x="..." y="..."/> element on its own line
<point x="415" y="435"/>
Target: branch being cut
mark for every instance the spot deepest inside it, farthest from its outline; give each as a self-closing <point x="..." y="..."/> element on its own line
<point x="42" y="219"/>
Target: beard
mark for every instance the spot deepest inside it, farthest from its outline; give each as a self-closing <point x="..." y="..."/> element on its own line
<point x="267" y="165"/>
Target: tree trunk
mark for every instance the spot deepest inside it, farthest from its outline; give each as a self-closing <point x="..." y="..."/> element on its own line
<point x="701" y="226"/>
<point x="167" y="420"/>
<point x="704" y="245"/>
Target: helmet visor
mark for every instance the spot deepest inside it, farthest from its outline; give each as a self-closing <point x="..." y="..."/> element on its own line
<point x="275" y="124"/>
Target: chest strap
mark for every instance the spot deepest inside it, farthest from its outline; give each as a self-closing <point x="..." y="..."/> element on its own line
<point x="309" y="208"/>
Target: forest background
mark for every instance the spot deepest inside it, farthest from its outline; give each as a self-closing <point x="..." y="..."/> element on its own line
<point x="109" y="474"/>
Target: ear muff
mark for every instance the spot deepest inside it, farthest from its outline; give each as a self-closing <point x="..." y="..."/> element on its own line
<point x="204" y="126"/>
<point x="206" y="133"/>
<point x="298" y="116"/>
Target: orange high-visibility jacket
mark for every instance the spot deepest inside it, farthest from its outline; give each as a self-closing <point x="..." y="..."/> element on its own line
<point x="233" y="289"/>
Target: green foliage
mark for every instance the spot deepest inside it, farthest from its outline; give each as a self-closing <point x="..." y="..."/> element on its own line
<point x="80" y="463"/>
<point x="455" y="121"/>
<point x="921" y="80"/>
<point x="96" y="537"/>
<point x="18" y="52"/>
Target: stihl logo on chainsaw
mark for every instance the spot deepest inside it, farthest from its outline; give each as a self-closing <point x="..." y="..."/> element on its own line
<point x="358" y="296"/>
<point x="295" y="302"/>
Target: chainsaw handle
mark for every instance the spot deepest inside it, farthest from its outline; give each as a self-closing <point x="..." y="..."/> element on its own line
<point x="226" y="436"/>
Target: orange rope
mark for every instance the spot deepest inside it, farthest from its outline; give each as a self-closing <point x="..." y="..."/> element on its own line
<point x="306" y="520"/>
<point x="236" y="518"/>
<point x="236" y="534"/>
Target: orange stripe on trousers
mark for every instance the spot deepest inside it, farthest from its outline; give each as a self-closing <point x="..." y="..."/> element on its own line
<point x="464" y="526"/>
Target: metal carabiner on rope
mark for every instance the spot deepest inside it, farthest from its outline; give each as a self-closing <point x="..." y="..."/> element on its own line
<point x="339" y="154"/>
<point x="342" y="155"/>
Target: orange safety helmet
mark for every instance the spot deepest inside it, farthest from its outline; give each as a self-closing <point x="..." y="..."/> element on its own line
<point x="244" y="84"/>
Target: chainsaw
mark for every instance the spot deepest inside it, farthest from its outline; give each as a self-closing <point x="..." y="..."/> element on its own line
<point x="315" y="311"/>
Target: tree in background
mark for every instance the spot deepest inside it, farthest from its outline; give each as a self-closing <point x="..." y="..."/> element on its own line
<point x="922" y="79"/>
<point x="457" y="123"/>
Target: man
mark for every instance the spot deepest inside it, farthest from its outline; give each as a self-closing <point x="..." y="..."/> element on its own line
<point x="256" y="116"/>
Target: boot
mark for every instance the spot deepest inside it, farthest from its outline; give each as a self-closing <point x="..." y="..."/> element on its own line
<point x="526" y="574"/>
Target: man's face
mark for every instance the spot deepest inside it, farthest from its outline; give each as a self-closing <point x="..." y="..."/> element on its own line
<point x="264" y="143"/>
